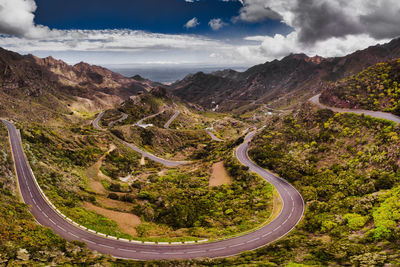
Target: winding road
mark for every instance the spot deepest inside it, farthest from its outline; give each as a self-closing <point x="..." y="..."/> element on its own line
<point x="140" y="123"/>
<point x="97" y="120"/>
<point x="124" y="117"/>
<point x="46" y="214"/>
<point x="291" y="213"/>
<point x="213" y="137"/>
<point x="168" y="123"/>
<point x="376" y="114"/>
<point x="165" y="162"/>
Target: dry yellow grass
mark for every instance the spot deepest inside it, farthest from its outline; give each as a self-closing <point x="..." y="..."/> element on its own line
<point x="219" y="175"/>
<point x="126" y="221"/>
<point x="94" y="176"/>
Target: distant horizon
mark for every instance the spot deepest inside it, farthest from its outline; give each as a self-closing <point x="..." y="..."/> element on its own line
<point x="166" y="73"/>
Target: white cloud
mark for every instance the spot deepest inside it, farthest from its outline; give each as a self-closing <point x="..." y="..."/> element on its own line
<point x="193" y="23"/>
<point x="257" y="11"/>
<point x="217" y="24"/>
<point x="376" y="22"/>
<point x="319" y="20"/>
<point x="280" y="46"/>
<point x="17" y="18"/>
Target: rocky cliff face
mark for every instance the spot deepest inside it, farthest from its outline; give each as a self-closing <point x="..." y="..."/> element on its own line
<point x="50" y="86"/>
<point x="279" y="83"/>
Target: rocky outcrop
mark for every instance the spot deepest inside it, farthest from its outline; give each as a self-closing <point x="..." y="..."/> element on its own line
<point x="279" y="83"/>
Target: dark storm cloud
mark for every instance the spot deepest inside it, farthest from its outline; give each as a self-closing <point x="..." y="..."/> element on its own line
<point x="319" y="21"/>
<point x="382" y="22"/>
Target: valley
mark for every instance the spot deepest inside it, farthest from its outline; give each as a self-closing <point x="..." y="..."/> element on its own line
<point x="134" y="170"/>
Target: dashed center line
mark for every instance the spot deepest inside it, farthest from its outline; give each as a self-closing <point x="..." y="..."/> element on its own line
<point x="106" y="246"/>
<point x="61" y="228"/>
<point x="250" y="241"/>
<point x="240" y="244"/>
<point x="126" y="250"/>
<point x="88" y="241"/>
<point x="73" y="235"/>
<point x="149" y="252"/>
<point x="193" y="252"/>
<point x="216" y="249"/>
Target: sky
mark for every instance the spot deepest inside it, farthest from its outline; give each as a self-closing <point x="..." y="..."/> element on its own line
<point x="194" y="32"/>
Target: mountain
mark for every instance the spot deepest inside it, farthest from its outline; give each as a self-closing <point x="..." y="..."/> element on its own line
<point x="376" y="88"/>
<point x="280" y="83"/>
<point x="48" y="87"/>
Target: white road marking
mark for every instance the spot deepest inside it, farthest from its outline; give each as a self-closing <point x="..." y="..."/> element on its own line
<point x="149" y="252"/>
<point x="215" y="249"/>
<point x="88" y="241"/>
<point x="240" y="244"/>
<point x="126" y="250"/>
<point x="61" y="228"/>
<point x="52" y="221"/>
<point x="264" y="235"/>
<point x="198" y="251"/>
<point x="173" y="253"/>
<point x="45" y="215"/>
<point x="73" y="235"/>
<point x="105" y="246"/>
<point x="253" y="240"/>
<point x="34" y="201"/>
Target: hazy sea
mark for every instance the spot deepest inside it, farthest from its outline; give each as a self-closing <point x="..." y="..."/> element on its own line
<point x="165" y="73"/>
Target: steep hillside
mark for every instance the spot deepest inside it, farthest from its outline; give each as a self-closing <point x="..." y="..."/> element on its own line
<point x="346" y="167"/>
<point x="281" y="83"/>
<point x="49" y="89"/>
<point x="376" y="88"/>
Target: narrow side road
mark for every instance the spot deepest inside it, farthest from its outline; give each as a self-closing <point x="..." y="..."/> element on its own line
<point x="213" y="137"/>
<point x="168" y="123"/>
<point x="124" y="117"/>
<point x="376" y="114"/>
<point x="97" y="120"/>
<point x="165" y="162"/>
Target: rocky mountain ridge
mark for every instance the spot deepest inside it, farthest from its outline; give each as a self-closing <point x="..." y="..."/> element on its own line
<point x="279" y="82"/>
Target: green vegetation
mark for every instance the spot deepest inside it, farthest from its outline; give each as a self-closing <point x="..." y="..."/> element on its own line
<point x="161" y="119"/>
<point x="110" y="116"/>
<point x="376" y="88"/>
<point x="346" y="168"/>
<point x="58" y="158"/>
<point x="140" y="107"/>
<point x="176" y="144"/>
<point x="22" y="240"/>
<point x="184" y="202"/>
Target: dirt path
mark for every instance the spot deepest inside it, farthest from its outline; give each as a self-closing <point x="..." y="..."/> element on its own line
<point x="126" y="221"/>
<point x="94" y="175"/>
<point x="219" y="175"/>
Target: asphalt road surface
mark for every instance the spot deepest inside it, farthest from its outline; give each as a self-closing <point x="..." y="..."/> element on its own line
<point x="168" y="123"/>
<point x="140" y="123"/>
<point x="168" y="163"/>
<point x="97" y="120"/>
<point x="376" y="114"/>
<point x="291" y="214"/>
<point x="124" y="117"/>
<point x="213" y="137"/>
